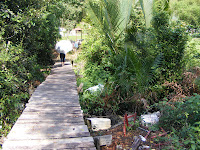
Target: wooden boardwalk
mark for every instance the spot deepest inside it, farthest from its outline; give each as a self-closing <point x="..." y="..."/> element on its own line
<point x="53" y="118"/>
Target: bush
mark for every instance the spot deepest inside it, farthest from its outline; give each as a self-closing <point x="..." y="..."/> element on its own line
<point x="182" y="119"/>
<point x="91" y="103"/>
<point x="97" y="69"/>
<point x="17" y="72"/>
<point x="192" y="54"/>
<point x="171" y="40"/>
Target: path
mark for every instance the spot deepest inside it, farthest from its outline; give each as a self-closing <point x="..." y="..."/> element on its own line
<point x="53" y="118"/>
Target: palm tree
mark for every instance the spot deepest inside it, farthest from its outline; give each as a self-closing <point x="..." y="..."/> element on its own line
<point x="112" y="18"/>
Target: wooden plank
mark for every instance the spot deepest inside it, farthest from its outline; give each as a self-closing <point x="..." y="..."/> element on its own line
<point x="53" y="105"/>
<point x="53" y="118"/>
<point x="54" y="87"/>
<point x="50" y="95"/>
<point x="72" y="110"/>
<point x="54" y="90"/>
<point x="42" y="108"/>
<point x="47" y="131"/>
<point x="53" y="95"/>
<point x="51" y="114"/>
<point x="69" y="143"/>
<point x="56" y="104"/>
<point x="69" y="122"/>
<point x="66" y="100"/>
<point x="61" y="93"/>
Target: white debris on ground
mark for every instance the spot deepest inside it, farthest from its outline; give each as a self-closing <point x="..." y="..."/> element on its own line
<point x="93" y="89"/>
<point x="150" y="118"/>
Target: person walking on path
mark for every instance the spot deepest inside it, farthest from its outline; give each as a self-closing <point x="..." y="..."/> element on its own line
<point x="62" y="58"/>
<point x="63" y="47"/>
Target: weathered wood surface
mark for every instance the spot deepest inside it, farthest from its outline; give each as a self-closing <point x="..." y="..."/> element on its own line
<point x="53" y="117"/>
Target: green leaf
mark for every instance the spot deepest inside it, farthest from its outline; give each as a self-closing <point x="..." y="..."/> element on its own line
<point x="193" y="146"/>
<point x="147" y="8"/>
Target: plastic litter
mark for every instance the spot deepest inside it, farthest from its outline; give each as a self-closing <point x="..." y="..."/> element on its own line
<point x="98" y="87"/>
<point x="144" y="147"/>
<point x="142" y="138"/>
<point x="150" y="118"/>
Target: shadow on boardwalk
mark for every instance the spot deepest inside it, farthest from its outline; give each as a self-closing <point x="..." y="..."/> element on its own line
<point x="52" y="118"/>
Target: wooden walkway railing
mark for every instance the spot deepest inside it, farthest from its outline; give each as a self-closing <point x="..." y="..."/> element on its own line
<point x="53" y="118"/>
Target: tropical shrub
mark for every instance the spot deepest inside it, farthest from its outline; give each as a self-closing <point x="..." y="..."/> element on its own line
<point x="182" y="120"/>
<point x="171" y="40"/>
<point x="97" y="69"/>
<point x="137" y="59"/>
<point x="28" y="33"/>
<point x="18" y="71"/>
<point x="192" y="54"/>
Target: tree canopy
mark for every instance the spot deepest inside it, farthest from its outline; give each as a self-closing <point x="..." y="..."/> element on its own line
<point x="29" y="30"/>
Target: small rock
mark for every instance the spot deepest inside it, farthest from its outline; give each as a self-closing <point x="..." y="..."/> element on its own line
<point x="144" y="147"/>
<point x="119" y="147"/>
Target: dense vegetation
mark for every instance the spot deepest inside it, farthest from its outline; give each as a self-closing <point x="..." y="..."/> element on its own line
<point x="29" y="31"/>
<point x="187" y="11"/>
<point x="146" y="62"/>
<point x="146" y="59"/>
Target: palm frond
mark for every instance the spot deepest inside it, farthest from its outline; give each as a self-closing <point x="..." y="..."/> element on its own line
<point x="142" y="70"/>
<point x="157" y="62"/>
<point x="111" y="17"/>
<point x="161" y="5"/>
<point x="125" y="12"/>
<point x="147" y="8"/>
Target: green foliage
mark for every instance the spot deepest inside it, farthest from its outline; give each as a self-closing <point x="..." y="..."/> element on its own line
<point x="96" y="58"/>
<point x="192" y="54"/>
<point x="97" y="70"/>
<point x="171" y="40"/>
<point x="17" y="71"/>
<point x="133" y="62"/>
<point x="161" y="5"/>
<point x="133" y="58"/>
<point x="101" y="102"/>
<point x="187" y="11"/>
<point x="182" y="119"/>
<point x="180" y="114"/>
<point x="28" y="33"/>
<point x="111" y="18"/>
<point x="34" y="27"/>
<point x="72" y="13"/>
<point x="149" y="8"/>
<point x="91" y="103"/>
